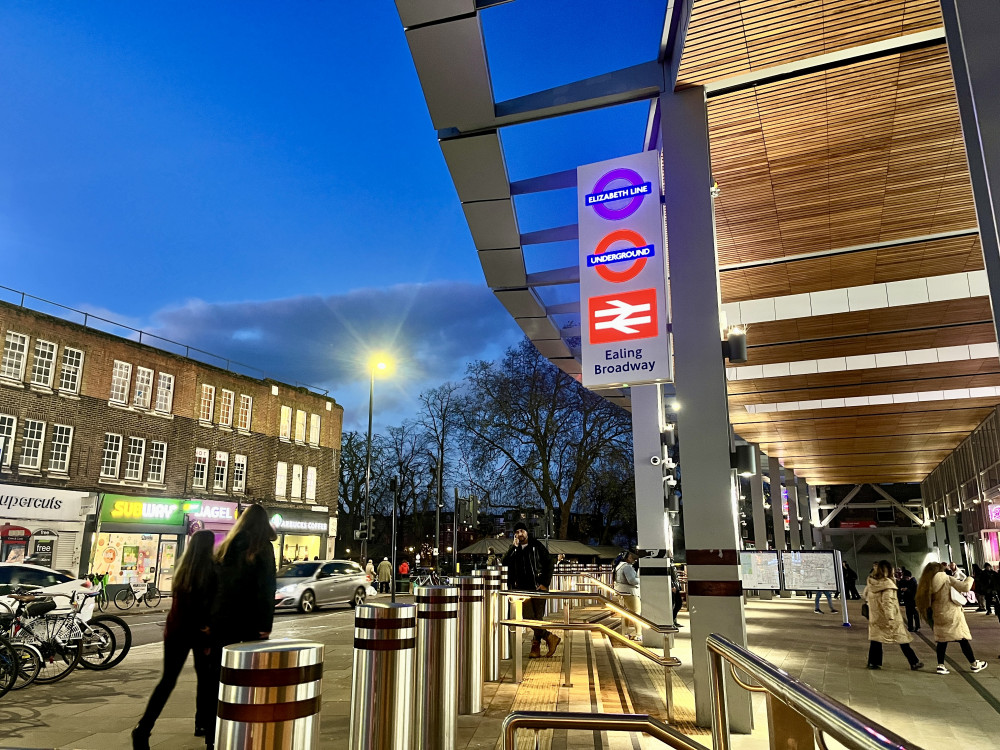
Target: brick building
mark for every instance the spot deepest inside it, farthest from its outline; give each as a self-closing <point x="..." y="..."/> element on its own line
<point x="126" y="447"/>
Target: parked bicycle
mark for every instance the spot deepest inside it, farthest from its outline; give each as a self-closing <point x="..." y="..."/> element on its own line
<point x="106" y="638"/>
<point x="57" y="636"/>
<point x="100" y="585"/>
<point x="137" y="591"/>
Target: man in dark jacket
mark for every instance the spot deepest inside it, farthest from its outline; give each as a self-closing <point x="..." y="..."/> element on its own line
<point x="908" y="598"/>
<point x="529" y="568"/>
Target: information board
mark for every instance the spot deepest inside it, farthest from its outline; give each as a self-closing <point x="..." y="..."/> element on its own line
<point x="814" y="570"/>
<point x="760" y="570"/>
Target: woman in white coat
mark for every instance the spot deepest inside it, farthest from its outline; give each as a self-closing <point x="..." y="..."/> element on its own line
<point x="934" y="592"/>
<point x="885" y="624"/>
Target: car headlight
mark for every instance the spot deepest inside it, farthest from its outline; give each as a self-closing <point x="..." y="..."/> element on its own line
<point x="290" y="589"/>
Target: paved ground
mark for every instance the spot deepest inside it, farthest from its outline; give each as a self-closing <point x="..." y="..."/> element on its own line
<point x="96" y="710"/>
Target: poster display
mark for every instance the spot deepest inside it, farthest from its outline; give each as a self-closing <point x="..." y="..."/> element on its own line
<point x="813" y="570"/>
<point x="760" y="570"/>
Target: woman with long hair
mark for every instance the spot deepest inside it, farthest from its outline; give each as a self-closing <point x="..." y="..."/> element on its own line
<point x="934" y="593"/>
<point x="187" y="629"/>
<point x="885" y="624"/>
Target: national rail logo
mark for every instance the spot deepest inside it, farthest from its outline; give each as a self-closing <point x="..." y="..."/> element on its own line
<point x="609" y="193"/>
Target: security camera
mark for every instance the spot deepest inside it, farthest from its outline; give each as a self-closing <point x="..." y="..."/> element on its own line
<point x="655" y="460"/>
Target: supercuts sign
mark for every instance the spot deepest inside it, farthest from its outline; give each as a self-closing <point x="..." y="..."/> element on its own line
<point x="623" y="290"/>
<point x="39" y="503"/>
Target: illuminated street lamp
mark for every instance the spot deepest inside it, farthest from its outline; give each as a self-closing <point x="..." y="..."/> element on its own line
<point x="377" y="363"/>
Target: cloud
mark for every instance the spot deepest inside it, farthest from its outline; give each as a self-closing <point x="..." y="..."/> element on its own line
<point x="430" y="330"/>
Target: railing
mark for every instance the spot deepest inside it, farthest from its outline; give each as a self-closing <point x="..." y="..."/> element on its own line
<point x="644" y="723"/>
<point x="138" y="334"/>
<point x="798" y="715"/>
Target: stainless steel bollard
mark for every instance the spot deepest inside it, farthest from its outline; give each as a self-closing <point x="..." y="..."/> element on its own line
<point x="436" y="723"/>
<point x="491" y="627"/>
<point x="269" y="695"/>
<point x="470" y="649"/>
<point x="506" y="634"/>
<point x="382" y="689"/>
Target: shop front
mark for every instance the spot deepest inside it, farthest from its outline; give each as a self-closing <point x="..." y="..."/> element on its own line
<point x="213" y="516"/>
<point x="43" y="526"/>
<point x="141" y="539"/>
<point x="301" y="534"/>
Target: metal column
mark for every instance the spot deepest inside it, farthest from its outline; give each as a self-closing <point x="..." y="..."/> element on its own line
<point x="794" y="527"/>
<point x="759" y="514"/>
<point x="711" y="531"/>
<point x="777" y="515"/>
<point x="651" y="517"/>
<point x="470" y="651"/>
<point x="436" y="709"/>
<point x="803" y="495"/>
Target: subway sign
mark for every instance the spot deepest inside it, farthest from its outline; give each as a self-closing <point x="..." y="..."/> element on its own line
<point x="148" y="510"/>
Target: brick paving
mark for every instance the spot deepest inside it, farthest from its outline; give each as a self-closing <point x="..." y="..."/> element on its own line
<point x="96" y="710"/>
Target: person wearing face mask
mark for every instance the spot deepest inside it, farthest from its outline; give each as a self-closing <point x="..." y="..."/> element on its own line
<point x="529" y="568"/>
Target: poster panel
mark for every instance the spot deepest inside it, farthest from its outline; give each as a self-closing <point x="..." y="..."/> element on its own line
<point x="760" y="569"/>
<point x="810" y="570"/>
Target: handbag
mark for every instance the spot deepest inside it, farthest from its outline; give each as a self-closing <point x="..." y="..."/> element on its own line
<point x="958" y="597"/>
<point x="865" y="611"/>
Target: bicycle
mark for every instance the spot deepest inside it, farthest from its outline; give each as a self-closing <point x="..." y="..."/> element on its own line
<point x="9" y="667"/>
<point x="100" y="584"/>
<point x="137" y="591"/>
<point x="106" y="638"/>
<point x="57" y="637"/>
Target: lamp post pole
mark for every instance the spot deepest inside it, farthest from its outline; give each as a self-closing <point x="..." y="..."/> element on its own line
<point x="437" y="521"/>
<point x="368" y="469"/>
<point x="394" y="487"/>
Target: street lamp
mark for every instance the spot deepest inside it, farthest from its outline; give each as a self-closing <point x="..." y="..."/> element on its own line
<point x="377" y="363"/>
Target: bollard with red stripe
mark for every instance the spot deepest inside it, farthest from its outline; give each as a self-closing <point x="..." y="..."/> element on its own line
<point x="269" y="695"/>
<point x="437" y="667"/>
<point x="382" y="686"/>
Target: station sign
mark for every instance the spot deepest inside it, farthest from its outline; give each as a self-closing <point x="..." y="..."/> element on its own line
<point x="623" y="281"/>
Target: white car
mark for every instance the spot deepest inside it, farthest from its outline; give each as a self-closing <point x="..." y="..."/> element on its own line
<point x="309" y="584"/>
<point x="36" y="577"/>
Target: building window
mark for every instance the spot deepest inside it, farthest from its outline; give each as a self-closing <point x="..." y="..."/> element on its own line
<point x="226" y="408"/>
<point x="8" y="428"/>
<point x="300" y="426"/>
<point x="221" y="471"/>
<point x="246" y="410"/>
<point x="157" y="461"/>
<point x="281" y="480"/>
<point x="44" y="364"/>
<point x="111" y="455"/>
<point x="14" y="348"/>
<point x="164" y="393"/>
<point x="314" y="429"/>
<point x="297" y="482"/>
<point x="62" y="442"/>
<point x="120" y="381"/>
<point x="72" y="366"/>
<point x="207" y="403"/>
<point x="285" y="429"/>
<point x="311" y="483"/>
<point x="133" y="462"/>
<point x="31" y="449"/>
<point x="239" y="473"/>
<point x="143" y="387"/>
<point x="200" y="467"/>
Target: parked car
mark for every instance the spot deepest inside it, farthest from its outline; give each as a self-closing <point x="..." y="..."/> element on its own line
<point x="309" y="584"/>
<point x="42" y="579"/>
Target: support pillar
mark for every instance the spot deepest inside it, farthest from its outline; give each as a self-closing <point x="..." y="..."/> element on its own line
<point x="650" y="512"/>
<point x="794" y="527"/>
<point x="774" y="474"/>
<point x="803" y="495"/>
<point x="711" y="529"/>
<point x="814" y="496"/>
<point x="759" y="514"/>
<point x="954" y="539"/>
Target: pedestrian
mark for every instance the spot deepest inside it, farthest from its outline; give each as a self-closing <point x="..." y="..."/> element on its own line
<point x="829" y="601"/>
<point x="187" y="629"/>
<point x="491" y="558"/>
<point x="676" y="597"/>
<point x="946" y="615"/>
<point x="529" y="568"/>
<point x="989" y="594"/>
<point x="885" y="623"/>
<point x="244" y="606"/>
<point x="627" y="588"/>
<point x="850" y="583"/>
<point x="404" y="568"/>
<point x="908" y="598"/>
<point x="370" y="570"/>
<point x="385" y="575"/>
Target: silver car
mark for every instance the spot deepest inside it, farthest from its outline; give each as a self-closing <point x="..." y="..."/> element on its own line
<point x="310" y="584"/>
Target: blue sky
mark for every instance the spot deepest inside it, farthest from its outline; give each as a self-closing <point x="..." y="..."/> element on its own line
<point x="262" y="179"/>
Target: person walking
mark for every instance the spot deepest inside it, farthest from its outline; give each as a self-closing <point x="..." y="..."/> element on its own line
<point x="908" y="598"/>
<point x="385" y="576"/>
<point x="244" y="606"/>
<point x="370" y="570"/>
<point x="187" y="629"/>
<point x="946" y="615"/>
<point x="885" y="623"/>
<point x="829" y="601"/>
<point x="529" y="568"/>
<point x="627" y="588"/>
<point x="850" y="583"/>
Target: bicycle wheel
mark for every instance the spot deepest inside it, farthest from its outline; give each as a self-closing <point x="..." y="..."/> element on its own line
<point x="124" y="599"/>
<point x="102" y="600"/>
<point x="29" y="664"/>
<point x="99" y="644"/>
<point x="9" y="667"/>
<point x="60" y="645"/>
<point x="152" y="597"/>
<point x="122" y="635"/>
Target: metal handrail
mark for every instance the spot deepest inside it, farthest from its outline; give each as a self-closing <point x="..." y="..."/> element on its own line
<point x="590" y="596"/>
<point x="595" y="722"/>
<point x="663" y="661"/>
<point x="822" y="712"/>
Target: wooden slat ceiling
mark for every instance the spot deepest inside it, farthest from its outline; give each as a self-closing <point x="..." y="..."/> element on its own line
<point x="834" y="179"/>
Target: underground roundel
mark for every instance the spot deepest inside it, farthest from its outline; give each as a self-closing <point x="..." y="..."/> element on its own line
<point x="624" y="316"/>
